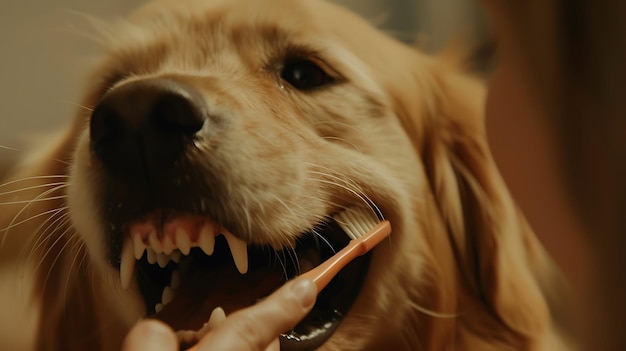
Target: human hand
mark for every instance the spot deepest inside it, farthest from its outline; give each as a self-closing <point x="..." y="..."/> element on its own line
<point x="255" y="328"/>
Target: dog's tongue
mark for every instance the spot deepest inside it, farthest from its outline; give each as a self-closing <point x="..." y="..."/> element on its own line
<point x="202" y="290"/>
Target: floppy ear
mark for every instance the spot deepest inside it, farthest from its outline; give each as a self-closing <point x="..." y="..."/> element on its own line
<point x="495" y="249"/>
<point x="68" y="304"/>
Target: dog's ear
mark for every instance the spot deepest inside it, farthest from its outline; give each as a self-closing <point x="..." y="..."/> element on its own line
<point x="495" y="249"/>
<point x="68" y="305"/>
<point x="76" y="313"/>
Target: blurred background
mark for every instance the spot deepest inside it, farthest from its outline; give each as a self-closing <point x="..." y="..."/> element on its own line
<point x="46" y="50"/>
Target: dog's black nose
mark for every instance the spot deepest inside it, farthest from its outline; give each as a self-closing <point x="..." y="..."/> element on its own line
<point x="143" y="127"/>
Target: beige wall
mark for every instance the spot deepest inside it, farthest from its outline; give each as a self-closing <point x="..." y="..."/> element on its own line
<point x="43" y="59"/>
<point x="45" y="50"/>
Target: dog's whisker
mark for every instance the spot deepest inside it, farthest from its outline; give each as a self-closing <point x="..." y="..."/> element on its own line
<point x="35" y="238"/>
<point x="282" y="264"/>
<point x="319" y="236"/>
<point x="59" y="254"/>
<point x="63" y="176"/>
<point x="293" y="256"/>
<point x="83" y="107"/>
<point x="59" y="184"/>
<point x="43" y="199"/>
<point x="4" y="147"/>
<point x="351" y="187"/>
<point x="51" y="248"/>
<point x="282" y="202"/>
<point x="330" y="173"/>
<point x="357" y="194"/>
<point x="355" y="189"/>
<point x="35" y="216"/>
<point x="78" y="246"/>
<point x="19" y="213"/>
<point x="58" y="216"/>
<point x="49" y="232"/>
<point x="431" y="313"/>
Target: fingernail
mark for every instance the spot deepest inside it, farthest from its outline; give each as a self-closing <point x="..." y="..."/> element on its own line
<point x="306" y="291"/>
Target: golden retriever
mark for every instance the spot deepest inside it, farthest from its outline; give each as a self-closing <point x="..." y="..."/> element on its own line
<point x="260" y="120"/>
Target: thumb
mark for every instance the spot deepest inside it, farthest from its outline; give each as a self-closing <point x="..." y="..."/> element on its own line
<point x="151" y="335"/>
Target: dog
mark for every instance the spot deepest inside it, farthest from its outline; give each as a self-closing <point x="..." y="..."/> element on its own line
<point x="215" y="144"/>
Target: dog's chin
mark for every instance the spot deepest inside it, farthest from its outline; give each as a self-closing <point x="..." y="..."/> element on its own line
<point x="190" y="271"/>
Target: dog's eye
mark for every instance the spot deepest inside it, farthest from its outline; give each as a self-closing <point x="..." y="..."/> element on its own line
<point x="305" y="75"/>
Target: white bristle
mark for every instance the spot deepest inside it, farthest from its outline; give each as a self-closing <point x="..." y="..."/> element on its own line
<point x="356" y="221"/>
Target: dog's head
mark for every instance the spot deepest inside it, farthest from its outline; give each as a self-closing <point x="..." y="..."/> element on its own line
<point x="261" y="120"/>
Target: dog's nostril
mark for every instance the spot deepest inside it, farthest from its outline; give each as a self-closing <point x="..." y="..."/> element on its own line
<point x="177" y="113"/>
<point x="144" y="126"/>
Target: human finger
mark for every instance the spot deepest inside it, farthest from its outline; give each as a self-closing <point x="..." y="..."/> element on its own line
<point x="150" y="335"/>
<point x="256" y="327"/>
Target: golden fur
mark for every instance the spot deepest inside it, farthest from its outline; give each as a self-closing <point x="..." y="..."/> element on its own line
<point x="462" y="269"/>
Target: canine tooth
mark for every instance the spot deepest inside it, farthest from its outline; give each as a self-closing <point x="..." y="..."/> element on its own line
<point x="162" y="260"/>
<point x="175" y="256"/>
<point x="175" y="280"/>
<point x="239" y="250"/>
<point x="206" y="241"/>
<point x="152" y="256"/>
<point x="127" y="263"/>
<point x="139" y="247"/>
<point x="167" y="296"/>
<point x="183" y="241"/>
<point x="158" y="307"/>
<point x="155" y="244"/>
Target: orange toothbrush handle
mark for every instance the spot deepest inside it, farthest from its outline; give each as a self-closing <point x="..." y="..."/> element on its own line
<point x="325" y="272"/>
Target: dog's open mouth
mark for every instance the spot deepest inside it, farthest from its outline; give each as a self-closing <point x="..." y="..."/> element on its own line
<point x="191" y="272"/>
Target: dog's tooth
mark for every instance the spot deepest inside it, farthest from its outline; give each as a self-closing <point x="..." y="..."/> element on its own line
<point x="167" y="296"/>
<point x="175" y="280"/>
<point x="127" y="263"/>
<point x="183" y="242"/>
<point x="158" y="307"/>
<point x="217" y="317"/>
<point x="162" y="260"/>
<point x="138" y="246"/>
<point x="206" y="240"/>
<point x="239" y="250"/>
<point x="175" y="256"/>
<point x="152" y="256"/>
<point x="215" y="320"/>
<point x="168" y="245"/>
<point x="155" y="243"/>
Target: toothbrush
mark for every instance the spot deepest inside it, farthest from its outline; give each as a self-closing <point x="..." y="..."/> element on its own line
<point x="365" y="230"/>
